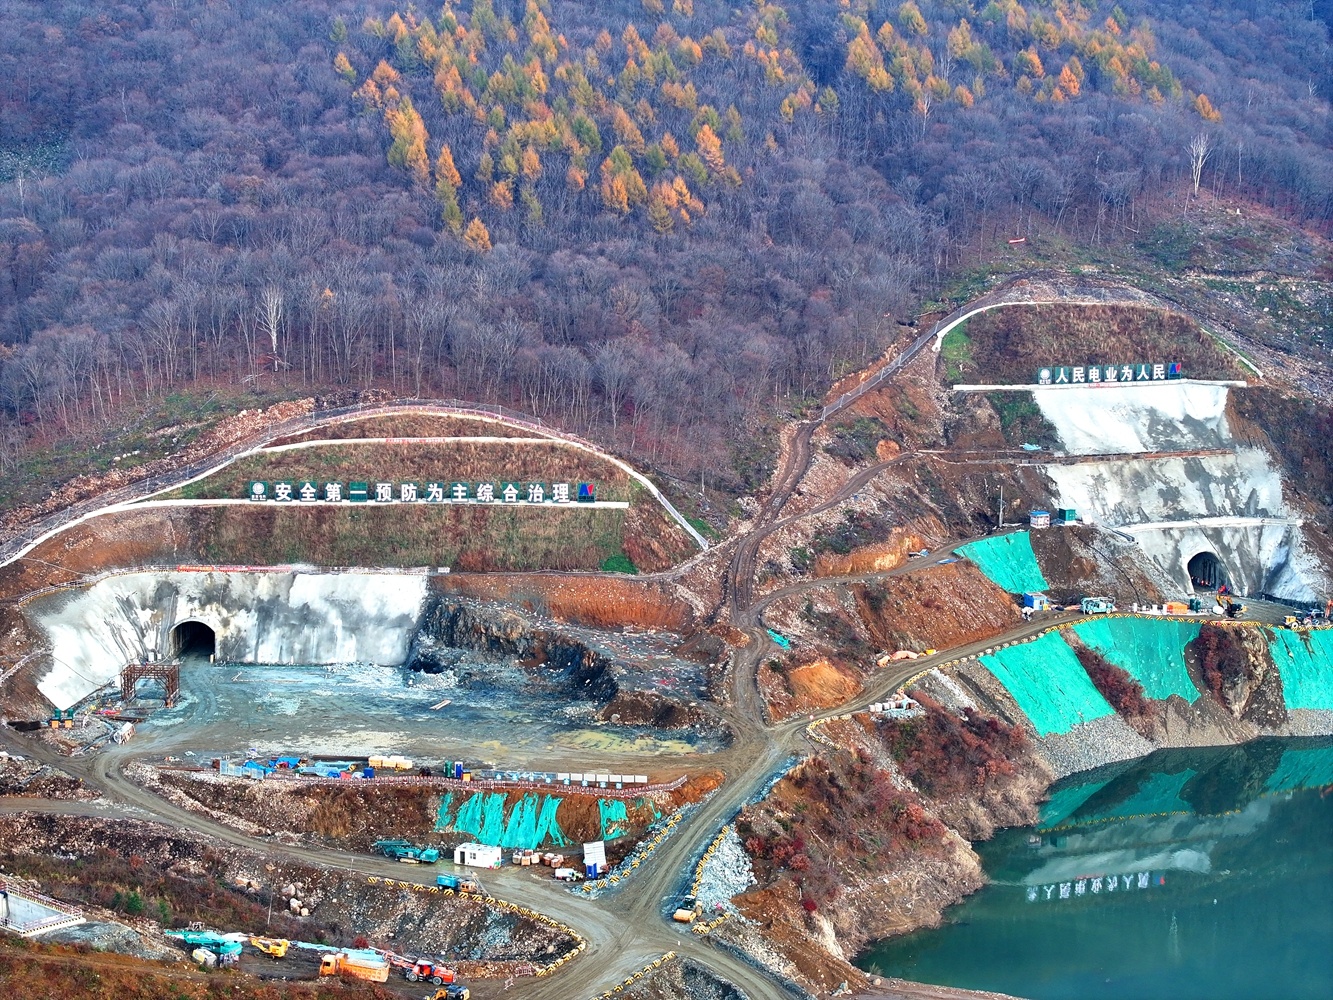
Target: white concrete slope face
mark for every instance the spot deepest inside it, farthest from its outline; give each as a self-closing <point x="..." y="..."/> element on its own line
<point x="302" y="618"/>
<point x="1230" y="504"/>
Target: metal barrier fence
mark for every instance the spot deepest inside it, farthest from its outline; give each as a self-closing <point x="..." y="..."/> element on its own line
<point x="455" y="784"/>
<point x="64" y="914"/>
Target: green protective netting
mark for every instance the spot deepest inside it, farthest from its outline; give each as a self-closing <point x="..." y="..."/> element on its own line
<point x="530" y="824"/>
<point x="1159" y="794"/>
<point x="1152" y="651"/>
<point x="1310" y="767"/>
<point x="1008" y="561"/>
<point x="1049" y="684"/>
<point x="1305" y="661"/>
<point x="615" y="821"/>
<point x="1065" y="800"/>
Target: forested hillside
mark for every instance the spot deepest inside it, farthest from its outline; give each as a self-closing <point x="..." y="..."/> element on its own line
<point x="654" y="221"/>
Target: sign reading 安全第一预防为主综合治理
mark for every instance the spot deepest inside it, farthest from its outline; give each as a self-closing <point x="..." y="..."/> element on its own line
<point x="1110" y="374"/>
<point x="519" y="492"/>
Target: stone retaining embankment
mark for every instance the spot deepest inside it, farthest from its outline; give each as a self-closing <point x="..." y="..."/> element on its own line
<point x="501" y="904"/>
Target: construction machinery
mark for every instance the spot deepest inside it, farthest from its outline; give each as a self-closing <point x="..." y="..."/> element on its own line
<point x="453" y="992"/>
<point x="369" y="967"/>
<point x="1096" y="605"/>
<point x="686" y="910"/>
<point x="272" y="947"/>
<point x="459" y="883"/>
<point x="406" y="852"/>
<point x="1231" y="607"/>
<point x="227" y="949"/>
<point x="424" y="969"/>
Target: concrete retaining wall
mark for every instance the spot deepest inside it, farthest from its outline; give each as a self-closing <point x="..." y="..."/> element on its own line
<point x="291" y="617"/>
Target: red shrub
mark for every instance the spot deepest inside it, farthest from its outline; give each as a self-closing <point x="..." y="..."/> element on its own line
<point x="1121" y="691"/>
<point x="946" y="756"/>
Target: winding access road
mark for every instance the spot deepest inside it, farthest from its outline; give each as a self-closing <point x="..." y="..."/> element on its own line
<point x="627" y="928"/>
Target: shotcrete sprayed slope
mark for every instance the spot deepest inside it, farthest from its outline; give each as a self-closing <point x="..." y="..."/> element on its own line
<point x="1250" y="525"/>
<point x="256" y="618"/>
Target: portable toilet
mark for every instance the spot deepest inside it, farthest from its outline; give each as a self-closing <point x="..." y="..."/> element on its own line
<point x="1066" y="515"/>
<point x="458" y="770"/>
<point x="1039" y="518"/>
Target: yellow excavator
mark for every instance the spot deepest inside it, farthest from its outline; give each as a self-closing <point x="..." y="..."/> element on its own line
<point x="272" y="947"/>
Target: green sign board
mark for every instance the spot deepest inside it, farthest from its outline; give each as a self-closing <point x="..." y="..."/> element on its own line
<point x="439" y="491"/>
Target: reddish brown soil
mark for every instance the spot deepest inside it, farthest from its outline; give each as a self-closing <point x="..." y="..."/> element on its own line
<point x="598" y="602"/>
<point x="943" y="607"/>
<point x="808" y="687"/>
<point x="877" y="557"/>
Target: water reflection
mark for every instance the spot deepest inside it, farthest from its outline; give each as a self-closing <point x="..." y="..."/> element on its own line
<point x="1200" y="873"/>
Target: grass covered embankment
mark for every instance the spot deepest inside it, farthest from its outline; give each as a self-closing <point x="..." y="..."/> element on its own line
<point x="1005" y="346"/>
<point x="464" y="537"/>
<point x="410" y="462"/>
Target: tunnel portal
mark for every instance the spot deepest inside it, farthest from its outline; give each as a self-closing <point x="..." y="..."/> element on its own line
<point x="193" y="638"/>
<point x="1207" y="572"/>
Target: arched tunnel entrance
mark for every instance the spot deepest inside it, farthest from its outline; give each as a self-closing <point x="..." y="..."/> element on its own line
<point x="193" y="638"/>
<point x="1207" y="572"/>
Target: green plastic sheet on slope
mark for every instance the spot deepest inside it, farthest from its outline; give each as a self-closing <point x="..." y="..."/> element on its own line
<point x="1305" y="661"/>
<point x="1049" y="684"/>
<point x="615" y="821"/>
<point x="1308" y="767"/>
<point x="1007" y="560"/>
<point x="1065" y="801"/>
<point x="1158" y="795"/>
<point x="531" y="821"/>
<point x="1152" y="651"/>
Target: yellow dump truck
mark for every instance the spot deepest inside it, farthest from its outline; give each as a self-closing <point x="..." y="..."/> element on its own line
<point x="371" y="968"/>
<point x="686" y="910"/>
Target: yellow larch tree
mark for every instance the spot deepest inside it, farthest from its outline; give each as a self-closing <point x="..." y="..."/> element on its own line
<point x="710" y="148"/>
<point x="343" y="67"/>
<point x="477" y="236"/>
<point x="408" y="151"/>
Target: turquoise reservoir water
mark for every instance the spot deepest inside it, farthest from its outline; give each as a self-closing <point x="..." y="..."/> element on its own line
<point x="1190" y="874"/>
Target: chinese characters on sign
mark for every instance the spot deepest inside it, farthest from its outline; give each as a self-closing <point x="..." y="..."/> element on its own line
<point x="437" y="492"/>
<point x="1094" y="885"/>
<point x="1109" y="374"/>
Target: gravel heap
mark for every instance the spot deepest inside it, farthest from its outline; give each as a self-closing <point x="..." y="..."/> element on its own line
<point x="726" y="874"/>
<point x="102" y="935"/>
<point x="1092" y="744"/>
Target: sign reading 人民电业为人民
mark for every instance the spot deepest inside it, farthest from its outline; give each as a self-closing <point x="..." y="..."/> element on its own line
<point x="518" y="492"/>
<point x="1091" y="886"/>
<point x="1109" y="374"/>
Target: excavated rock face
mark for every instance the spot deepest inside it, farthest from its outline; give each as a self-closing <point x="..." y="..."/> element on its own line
<point x="450" y="624"/>
<point x="1238" y="670"/>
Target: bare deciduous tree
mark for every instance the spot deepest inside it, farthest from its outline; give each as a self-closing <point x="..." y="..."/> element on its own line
<point x="1199" y="149"/>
